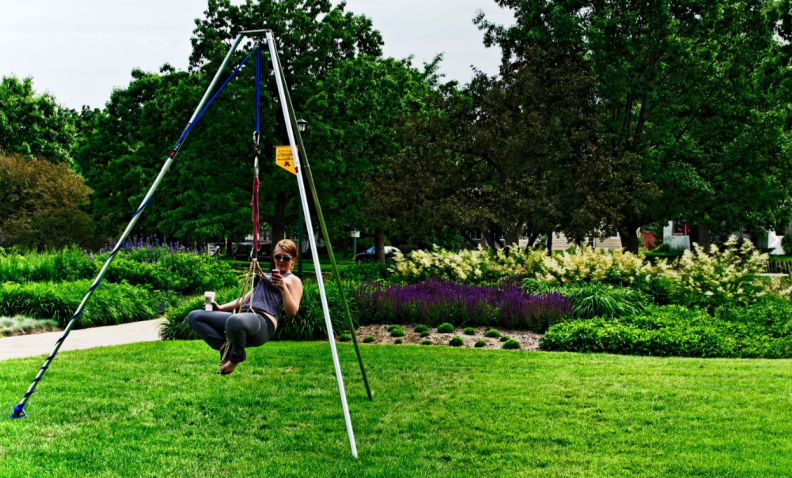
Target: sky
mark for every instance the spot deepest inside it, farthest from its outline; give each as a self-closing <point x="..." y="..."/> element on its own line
<point x="79" y="50"/>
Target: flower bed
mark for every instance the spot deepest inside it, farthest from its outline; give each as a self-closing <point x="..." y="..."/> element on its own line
<point x="435" y="301"/>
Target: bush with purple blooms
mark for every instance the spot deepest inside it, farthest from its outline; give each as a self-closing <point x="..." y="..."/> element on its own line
<point x="433" y="302"/>
<point x="164" y="266"/>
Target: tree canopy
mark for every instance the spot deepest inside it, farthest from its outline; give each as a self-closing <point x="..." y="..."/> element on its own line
<point x="32" y="125"/>
<point x="699" y="92"/>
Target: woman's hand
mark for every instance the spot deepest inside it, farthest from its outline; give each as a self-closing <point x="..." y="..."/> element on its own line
<point x="215" y="306"/>
<point x="277" y="281"/>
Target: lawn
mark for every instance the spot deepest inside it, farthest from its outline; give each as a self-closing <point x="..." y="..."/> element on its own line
<point x="158" y="409"/>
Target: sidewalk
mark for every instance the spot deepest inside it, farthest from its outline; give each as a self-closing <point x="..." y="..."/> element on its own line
<point x="42" y="344"/>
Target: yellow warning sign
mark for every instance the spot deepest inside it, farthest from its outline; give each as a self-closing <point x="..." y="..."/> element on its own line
<point x="284" y="159"/>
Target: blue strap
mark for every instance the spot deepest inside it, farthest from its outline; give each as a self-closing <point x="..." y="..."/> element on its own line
<point x="191" y="125"/>
<point x="258" y="83"/>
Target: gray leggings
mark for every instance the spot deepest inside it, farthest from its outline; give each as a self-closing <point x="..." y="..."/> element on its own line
<point x="247" y="329"/>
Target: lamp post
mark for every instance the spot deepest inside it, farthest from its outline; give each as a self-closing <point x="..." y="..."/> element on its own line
<point x="301" y="124"/>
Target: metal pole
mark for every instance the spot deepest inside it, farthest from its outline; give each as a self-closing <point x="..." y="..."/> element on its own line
<point x="354" y="244"/>
<point x="19" y="409"/>
<point x="287" y="117"/>
<point x="323" y="225"/>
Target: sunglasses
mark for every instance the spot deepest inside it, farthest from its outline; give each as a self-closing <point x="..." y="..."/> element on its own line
<point x="279" y="257"/>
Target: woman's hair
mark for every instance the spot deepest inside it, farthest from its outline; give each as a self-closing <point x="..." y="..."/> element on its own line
<point x="287" y="246"/>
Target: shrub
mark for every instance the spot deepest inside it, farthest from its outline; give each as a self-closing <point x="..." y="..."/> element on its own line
<point x="426" y="342"/>
<point x="586" y="264"/>
<point x="368" y="340"/>
<point x="719" y="277"/>
<point x="169" y="267"/>
<point x="504" y="339"/>
<point x="69" y="264"/>
<point x="601" y="300"/>
<point x="511" y="344"/>
<point x="344" y="338"/>
<point x="492" y="333"/>
<point x="456" y="342"/>
<point x="307" y="324"/>
<point x="445" y="328"/>
<point x="425" y="334"/>
<point x="420" y="328"/>
<point x="761" y="330"/>
<point x="480" y="343"/>
<point x="477" y="266"/>
<point x="397" y="341"/>
<point x="434" y="302"/>
<point x="397" y="332"/>
<point x="786" y="243"/>
<point x="25" y="325"/>
<point x="362" y="272"/>
<point x="110" y="304"/>
<point x="470" y="331"/>
<point x="391" y="327"/>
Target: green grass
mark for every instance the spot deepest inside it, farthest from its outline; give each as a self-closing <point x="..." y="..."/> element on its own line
<point x="159" y="409"/>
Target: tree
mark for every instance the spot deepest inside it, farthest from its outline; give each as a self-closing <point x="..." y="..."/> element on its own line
<point x="509" y="153"/>
<point x="697" y="92"/>
<point x="34" y="126"/>
<point x="39" y="204"/>
<point x="206" y="195"/>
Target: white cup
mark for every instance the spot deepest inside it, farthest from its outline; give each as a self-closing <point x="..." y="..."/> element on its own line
<point x="209" y="297"/>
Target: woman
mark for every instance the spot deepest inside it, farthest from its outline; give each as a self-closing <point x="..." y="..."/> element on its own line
<point x="251" y="328"/>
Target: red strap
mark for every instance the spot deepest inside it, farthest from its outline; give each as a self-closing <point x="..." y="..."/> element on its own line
<point x="254" y="203"/>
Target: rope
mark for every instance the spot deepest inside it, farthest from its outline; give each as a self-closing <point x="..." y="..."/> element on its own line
<point x="254" y="204"/>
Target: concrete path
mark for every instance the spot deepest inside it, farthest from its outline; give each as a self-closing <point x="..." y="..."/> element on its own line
<point x="42" y="344"/>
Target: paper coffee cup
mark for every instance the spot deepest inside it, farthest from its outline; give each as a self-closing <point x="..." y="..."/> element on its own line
<point x="209" y="297"/>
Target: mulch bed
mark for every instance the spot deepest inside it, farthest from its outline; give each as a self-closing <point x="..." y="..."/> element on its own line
<point x="528" y="340"/>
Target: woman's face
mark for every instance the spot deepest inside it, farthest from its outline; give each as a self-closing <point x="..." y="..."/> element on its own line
<point x="283" y="265"/>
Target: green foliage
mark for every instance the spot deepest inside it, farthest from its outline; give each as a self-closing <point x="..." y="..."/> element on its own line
<point x="511" y="344"/>
<point x="504" y="339"/>
<point x="445" y="328"/>
<point x="34" y="126"/>
<point x="465" y="266"/>
<point x="365" y="271"/>
<point x="307" y="324"/>
<point x="425" y="333"/>
<point x="470" y="331"/>
<point x="718" y="277"/>
<point x="420" y="328"/>
<point x="480" y="344"/>
<point x="456" y="342"/>
<point x="368" y="340"/>
<point x="163" y="269"/>
<point x="600" y="300"/>
<point x="398" y="341"/>
<point x="701" y="128"/>
<point x="110" y="304"/>
<point x="344" y="338"/>
<point x="25" y="325"/>
<point x="391" y="327"/>
<point x="397" y="332"/>
<point x="761" y="330"/>
<point x="68" y="265"/>
<point x="786" y="243"/>
<point x="426" y="342"/>
<point x="40" y="203"/>
<point x="492" y="333"/>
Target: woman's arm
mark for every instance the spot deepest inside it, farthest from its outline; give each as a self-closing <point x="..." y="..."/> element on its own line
<point x="291" y="291"/>
<point x="230" y="306"/>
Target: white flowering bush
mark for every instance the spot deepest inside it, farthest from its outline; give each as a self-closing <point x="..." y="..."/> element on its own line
<point x="465" y="266"/>
<point x="586" y="264"/>
<point x="718" y="277"/>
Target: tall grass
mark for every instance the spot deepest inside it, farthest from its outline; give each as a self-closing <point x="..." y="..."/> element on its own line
<point x="592" y="299"/>
<point x="110" y="304"/>
<point x="25" y="325"/>
<point x="49" y="266"/>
